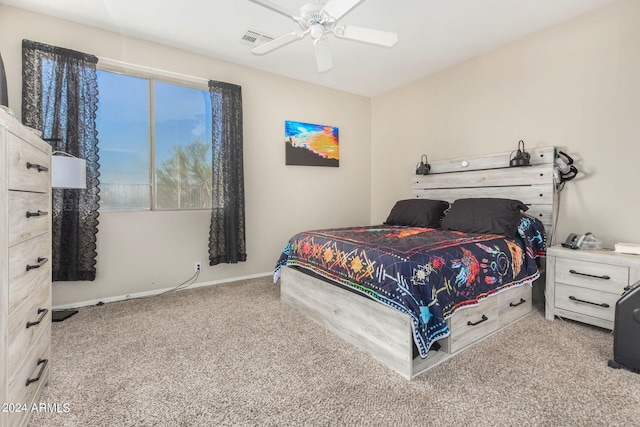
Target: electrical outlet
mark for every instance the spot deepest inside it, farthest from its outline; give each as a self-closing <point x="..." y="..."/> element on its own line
<point x="197" y="266"/>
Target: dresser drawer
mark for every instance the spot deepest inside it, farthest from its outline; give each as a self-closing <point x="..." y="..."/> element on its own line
<point x="471" y="324"/>
<point x="29" y="215"/>
<point x="29" y="167"/>
<point x="29" y="266"/>
<point x="27" y="323"/>
<point x="586" y="301"/>
<point x="35" y="363"/>
<point x="513" y="304"/>
<point x="596" y="276"/>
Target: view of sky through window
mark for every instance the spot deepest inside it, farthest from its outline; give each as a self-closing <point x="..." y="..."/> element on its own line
<point x="181" y="171"/>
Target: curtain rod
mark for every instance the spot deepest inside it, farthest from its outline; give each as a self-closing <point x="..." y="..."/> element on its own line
<point x="143" y="71"/>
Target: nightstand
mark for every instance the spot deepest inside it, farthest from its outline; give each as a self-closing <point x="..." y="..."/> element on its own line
<point x="584" y="285"/>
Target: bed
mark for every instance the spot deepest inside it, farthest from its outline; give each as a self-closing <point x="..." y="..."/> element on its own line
<point x="415" y="291"/>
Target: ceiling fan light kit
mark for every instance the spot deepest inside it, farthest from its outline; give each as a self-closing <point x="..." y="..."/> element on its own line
<point x="319" y="20"/>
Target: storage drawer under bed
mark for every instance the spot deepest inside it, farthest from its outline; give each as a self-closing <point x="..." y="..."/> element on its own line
<point x="470" y="324"/>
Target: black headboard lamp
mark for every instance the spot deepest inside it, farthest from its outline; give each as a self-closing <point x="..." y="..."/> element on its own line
<point x="423" y="167"/>
<point x="521" y="157"/>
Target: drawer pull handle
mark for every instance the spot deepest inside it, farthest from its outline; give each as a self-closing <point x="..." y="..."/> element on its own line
<point x="40" y="168"/>
<point x="41" y="262"/>
<point x="603" y="305"/>
<point x="604" y="277"/>
<point x="484" y="318"/>
<point x="38" y="213"/>
<point x="42" y="362"/>
<point x="42" y="312"/>
<point x="522" y="301"/>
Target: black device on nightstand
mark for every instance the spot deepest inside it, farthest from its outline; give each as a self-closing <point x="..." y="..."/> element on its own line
<point x="626" y="330"/>
<point x="571" y="242"/>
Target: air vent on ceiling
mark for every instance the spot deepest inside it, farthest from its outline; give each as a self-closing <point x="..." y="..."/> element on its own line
<point x="255" y="38"/>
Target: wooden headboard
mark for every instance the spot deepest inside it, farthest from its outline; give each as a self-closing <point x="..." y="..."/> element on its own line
<point x="491" y="176"/>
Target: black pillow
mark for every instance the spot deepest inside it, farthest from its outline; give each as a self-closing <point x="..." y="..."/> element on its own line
<point x="485" y="215"/>
<point x="417" y="213"/>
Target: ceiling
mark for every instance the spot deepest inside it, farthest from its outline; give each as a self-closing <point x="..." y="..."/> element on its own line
<point x="432" y="34"/>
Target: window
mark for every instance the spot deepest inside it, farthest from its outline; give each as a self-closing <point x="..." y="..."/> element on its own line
<point x="155" y="144"/>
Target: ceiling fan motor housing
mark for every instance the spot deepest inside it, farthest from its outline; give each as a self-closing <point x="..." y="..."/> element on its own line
<point x="312" y="17"/>
<point x="312" y="13"/>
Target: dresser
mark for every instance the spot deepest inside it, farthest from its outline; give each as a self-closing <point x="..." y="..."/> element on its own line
<point x="25" y="270"/>
<point x="584" y="285"/>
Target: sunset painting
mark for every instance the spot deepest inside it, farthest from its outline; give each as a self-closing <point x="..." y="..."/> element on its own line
<point x="311" y="145"/>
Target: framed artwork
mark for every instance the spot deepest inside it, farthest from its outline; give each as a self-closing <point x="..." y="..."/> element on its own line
<point x="307" y="144"/>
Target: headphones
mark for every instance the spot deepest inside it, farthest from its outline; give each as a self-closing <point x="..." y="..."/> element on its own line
<point x="564" y="169"/>
<point x="423" y="167"/>
<point x="522" y="158"/>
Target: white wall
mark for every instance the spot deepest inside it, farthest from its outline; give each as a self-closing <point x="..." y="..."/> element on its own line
<point x="143" y="251"/>
<point x="575" y="86"/>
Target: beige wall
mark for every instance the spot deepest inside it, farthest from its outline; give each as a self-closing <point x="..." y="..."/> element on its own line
<point x="142" y="251"/>
<point x="575" y="86"/>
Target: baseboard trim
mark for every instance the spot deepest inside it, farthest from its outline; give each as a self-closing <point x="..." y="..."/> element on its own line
<point x="156" y="292"/>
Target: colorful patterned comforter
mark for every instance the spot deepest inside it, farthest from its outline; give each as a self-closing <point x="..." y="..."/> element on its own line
<point x="423" y="272"/>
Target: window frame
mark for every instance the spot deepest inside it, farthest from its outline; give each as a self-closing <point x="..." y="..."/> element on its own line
<point x="152" y="75"/>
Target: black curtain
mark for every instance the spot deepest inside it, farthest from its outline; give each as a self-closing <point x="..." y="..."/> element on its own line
<point x="60" y="98"/>
<point x="226" y="235"/>
<point x="4" y="97"/>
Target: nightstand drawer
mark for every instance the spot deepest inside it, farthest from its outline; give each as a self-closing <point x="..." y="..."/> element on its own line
<point x="586" y="301"/>
<point x="596" y="276"/>
<point x="470" y="324"/>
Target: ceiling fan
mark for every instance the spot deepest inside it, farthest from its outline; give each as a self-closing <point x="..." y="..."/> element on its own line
<point x="319" y="20"/>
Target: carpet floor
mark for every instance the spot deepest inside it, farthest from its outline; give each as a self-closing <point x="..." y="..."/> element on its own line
<point x="233" y="354"/>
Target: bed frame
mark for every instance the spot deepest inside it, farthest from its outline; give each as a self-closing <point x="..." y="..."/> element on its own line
<point x="385" y="333"/>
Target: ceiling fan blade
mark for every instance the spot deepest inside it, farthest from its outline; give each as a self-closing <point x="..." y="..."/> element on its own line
<point x="279" y="42"/>
<point x="275" y="7"/>
<point x="367" y="35"/>
<point x="337" y="8"/>
<point x="323" y="54"/>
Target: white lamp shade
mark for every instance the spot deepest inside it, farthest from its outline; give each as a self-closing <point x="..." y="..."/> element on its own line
<point x="68" y="172"/>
